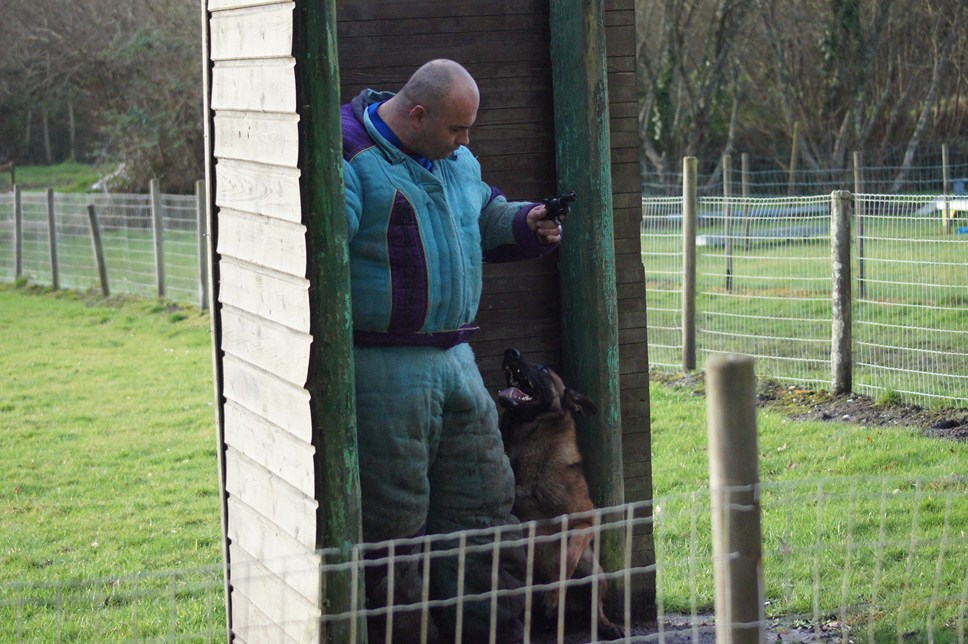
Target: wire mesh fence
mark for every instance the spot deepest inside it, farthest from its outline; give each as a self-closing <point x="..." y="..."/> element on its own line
<point x="763" y="288"/>
<point x="127" y="237"/>
<point x="844" y="559"/>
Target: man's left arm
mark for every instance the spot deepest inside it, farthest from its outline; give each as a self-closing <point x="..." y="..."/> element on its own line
<point x="514" y="230"/>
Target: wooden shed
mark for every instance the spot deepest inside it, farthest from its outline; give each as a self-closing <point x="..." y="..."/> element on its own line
<point x="281" y="330"/>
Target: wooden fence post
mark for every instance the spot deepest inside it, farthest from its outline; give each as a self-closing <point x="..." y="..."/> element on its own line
<point x="157" y="227"/>
<point x="52" y="238"/>
<point x="201" y="226"/>
<point x="18" y="233"/>
<point x="841" y="361"/>
<point x="728" y="219"/>
<point x="735" y="499"/>
<point x="98" y="249"/>
<point x="690" y="205"/>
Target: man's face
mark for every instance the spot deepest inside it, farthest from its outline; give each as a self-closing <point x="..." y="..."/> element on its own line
<point x="440" y="131"/>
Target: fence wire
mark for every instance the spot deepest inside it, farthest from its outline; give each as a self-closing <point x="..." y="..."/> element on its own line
<point x="763" y="288"/>
<point x="845" y="559"/>
<point x="127" y="239"/>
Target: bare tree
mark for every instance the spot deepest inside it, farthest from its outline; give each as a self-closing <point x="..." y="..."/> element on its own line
<point x="844" y="75"/>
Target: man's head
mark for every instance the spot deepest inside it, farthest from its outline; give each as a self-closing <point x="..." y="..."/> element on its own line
<point x="434" y="111"/>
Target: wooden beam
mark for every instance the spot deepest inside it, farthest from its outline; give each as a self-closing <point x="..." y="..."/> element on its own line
<point x="587" y="261"/>
<point x="331" y="368"/>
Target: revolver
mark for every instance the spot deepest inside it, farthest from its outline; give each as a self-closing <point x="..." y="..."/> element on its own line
<point x="557" y="206"/>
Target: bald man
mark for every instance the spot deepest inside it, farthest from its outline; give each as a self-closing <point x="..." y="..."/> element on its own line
<point x="421" y="221"/>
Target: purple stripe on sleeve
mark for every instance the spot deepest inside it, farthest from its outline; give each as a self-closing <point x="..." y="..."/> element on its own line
<point x="408" y="269"/>
<point x="526" y="244"/>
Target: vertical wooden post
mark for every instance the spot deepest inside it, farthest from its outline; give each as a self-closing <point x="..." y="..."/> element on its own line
<point x="331" y="380"/>
<point x="859" y="217"/>
<point x="841" y="361"/>
<point x="735" y="499"/>
<point x="690" y="206"/>
<point x="201" y="227"/>
<point x="728" y="219"/>
<point x="98" y="249"/>
<point x="794" y="155"/>
<point x="945" y="178"/>
<point x="744" y="162"/>
<point x="587" y="257"/>
<point x="18" y="233"/>
<point x="158" y="228"/>
<point x="52" y="239"/>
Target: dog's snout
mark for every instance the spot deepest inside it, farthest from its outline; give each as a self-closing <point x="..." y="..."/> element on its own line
<point x="512" y="353"/>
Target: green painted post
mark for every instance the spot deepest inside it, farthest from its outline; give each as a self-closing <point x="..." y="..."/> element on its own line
<point x="587" y="255"/>
<point x="331" y="369"/>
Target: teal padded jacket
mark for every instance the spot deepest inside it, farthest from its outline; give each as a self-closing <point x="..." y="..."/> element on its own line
<point x="417" y="238"/>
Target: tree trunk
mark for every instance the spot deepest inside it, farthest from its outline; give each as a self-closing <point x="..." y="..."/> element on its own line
<point x="48" y="156"/>
<point x="940" y="63"/>
<point x="71" y="133"/>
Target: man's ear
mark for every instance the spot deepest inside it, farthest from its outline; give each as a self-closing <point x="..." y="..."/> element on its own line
<point x="579" y="403"/>
<point x="417" y="114"/>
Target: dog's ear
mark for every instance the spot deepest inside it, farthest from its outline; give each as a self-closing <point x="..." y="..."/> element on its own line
<point x="579" y="403"/>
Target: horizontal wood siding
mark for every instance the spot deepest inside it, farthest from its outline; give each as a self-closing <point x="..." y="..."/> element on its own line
<point x="264" y="313"/>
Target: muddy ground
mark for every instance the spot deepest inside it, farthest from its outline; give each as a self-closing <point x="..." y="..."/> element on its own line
<point x="806" y="404"/>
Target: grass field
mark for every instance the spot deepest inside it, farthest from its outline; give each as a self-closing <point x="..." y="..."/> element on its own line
<point x="109" y="491"/>
<point x="69" y="176"/>
<point x="108" y="476"/>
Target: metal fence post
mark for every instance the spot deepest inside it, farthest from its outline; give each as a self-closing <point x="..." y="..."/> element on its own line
<point x="52" y="239"/>
<point x="728" y="219"/>
<point x="946" y="213"/>
<point x="157" y="227"/>
<point x="841" y="361"/>
<point x="690" y="204"/>
<point x="859" y="215"/>
<point x="744" y="164"/>
<point x="735" y="499"/>
<point x="201" y="212"/>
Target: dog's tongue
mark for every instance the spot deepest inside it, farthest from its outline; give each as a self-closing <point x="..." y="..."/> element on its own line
<point x="513" y="393"/>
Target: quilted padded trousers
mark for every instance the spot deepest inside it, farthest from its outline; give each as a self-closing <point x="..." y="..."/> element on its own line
<point x="432" y="461"/>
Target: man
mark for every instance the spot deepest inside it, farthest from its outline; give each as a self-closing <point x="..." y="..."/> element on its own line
<point x="420" y="222"/>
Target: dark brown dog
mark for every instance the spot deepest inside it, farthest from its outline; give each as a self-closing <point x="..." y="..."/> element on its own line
<point x="541" y="442"/>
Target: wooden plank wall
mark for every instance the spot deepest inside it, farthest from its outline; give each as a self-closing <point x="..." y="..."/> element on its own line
<point x="263" y="311"/>
<point x="505" y="45"/>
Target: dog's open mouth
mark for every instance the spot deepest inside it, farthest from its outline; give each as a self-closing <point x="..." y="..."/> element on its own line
<point x="519" y="389"/>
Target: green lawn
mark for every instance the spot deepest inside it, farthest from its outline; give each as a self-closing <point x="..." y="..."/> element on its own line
<point x="108" y="476"/>
<point x="69" y="176"/>
<point x="109" y="491"/>
<point x="865" y="525"/>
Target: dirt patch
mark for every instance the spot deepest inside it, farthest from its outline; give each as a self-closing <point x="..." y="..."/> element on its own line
<point x="806" y="404"/>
